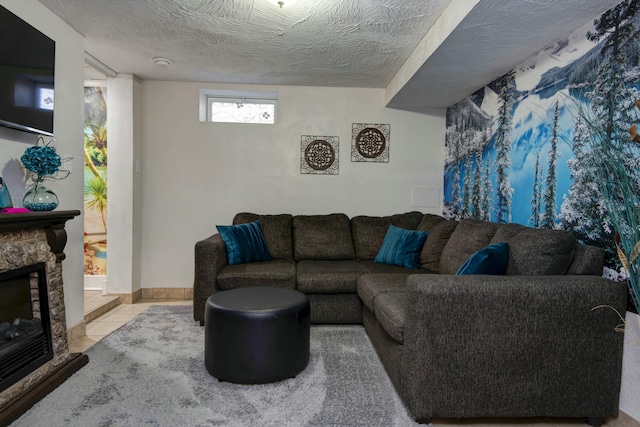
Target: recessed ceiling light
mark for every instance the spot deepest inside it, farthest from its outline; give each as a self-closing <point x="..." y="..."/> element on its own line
<point x="282" y="2"/>
<point x="162" y="62"/>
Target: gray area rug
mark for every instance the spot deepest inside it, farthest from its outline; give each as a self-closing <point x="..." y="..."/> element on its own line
<point x="151" y="372"/>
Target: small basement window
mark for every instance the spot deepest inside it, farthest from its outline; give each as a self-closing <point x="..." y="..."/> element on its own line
<point x="223" y="106"/>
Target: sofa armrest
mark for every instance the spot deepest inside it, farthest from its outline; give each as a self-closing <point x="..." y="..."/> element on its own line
<point x="210" y="257"/>
<point x="483" y="346"/>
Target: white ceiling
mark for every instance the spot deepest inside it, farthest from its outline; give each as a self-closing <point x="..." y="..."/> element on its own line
<point x="449" y="48"/>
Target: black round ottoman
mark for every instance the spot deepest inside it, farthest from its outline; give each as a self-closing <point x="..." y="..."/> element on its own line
<point x="256" y="335"/>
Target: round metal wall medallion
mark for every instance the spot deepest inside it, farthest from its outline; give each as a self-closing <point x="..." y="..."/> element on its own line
<point x="370" y="143"/>
<point x="319" y="155"/>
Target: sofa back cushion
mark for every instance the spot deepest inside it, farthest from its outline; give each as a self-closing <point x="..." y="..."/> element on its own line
<point x="322" y="237"/>
<point x="368" y="234"/>
<point x="369" y="231"/>
<point x="587" y="260"/>
<point x="470" y="236"/>
<point x="408" y="220"/>
<point x="534" y="252"/>
<point x="437" y="239"/>
<point x="276" y="230"/>
<point x="428" y="221"/>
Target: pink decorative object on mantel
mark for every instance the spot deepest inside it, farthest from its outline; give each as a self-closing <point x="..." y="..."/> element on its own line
<point x="14" y="210"/>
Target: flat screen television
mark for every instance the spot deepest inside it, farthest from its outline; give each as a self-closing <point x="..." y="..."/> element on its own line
<point x="27" y="63"/>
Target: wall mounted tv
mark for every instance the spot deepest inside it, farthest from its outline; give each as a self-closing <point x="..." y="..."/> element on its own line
<point x="27" y="62"/>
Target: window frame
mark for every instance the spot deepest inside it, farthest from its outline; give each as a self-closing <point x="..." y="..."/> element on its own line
<point x="209" y="96"/>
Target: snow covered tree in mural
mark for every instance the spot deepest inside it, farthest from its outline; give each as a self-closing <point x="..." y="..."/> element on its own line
<point x="612" y="99"/>
<point x="466" y="189"/>
<point x="582" y="211"/>
<point x="503" y="147"/>
<point x="549" y="198"/>
<point x="614" y="140"/>
<point x="476" y="198"/>
<point x="486" y="191"/>
<point x="456" y="198"/>
<point x="615" y="92"/>
<point x="536" y="196"/>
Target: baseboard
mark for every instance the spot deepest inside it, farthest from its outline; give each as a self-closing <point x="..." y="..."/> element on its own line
<point x="129" y="298"/>
<point x="155" y="293"/>
<point x="76" y="332"/>
<point x="167" y="293"/>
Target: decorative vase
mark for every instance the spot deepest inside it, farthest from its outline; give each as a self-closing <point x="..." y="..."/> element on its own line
<point x="40" y="198"/>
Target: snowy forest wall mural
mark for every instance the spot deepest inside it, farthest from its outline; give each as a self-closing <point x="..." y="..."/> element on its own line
<point x="520" y="149"/>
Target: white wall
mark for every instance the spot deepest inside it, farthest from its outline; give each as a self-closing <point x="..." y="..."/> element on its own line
<point x="196" y="175"/>
<point x="120" y="126"/>
<point x="124" y="208"/>
<point x="68" y="123"/>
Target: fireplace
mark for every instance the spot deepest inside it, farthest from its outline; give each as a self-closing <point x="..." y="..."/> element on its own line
<point x="25" y="334"/>
<point x="34" y="352"/>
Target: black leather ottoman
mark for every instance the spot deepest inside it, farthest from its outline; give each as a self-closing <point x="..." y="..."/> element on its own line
<point x="256" y="335"/>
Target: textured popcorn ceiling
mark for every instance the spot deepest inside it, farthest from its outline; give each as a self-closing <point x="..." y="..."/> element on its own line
<point x="350" y="43"/>
<point x="358" y="43"/>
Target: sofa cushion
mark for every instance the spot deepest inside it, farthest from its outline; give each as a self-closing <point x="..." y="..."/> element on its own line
<point x="370" y="286"/>
<point x="325" y="276"/>
<point x="368" y="234"/>
<point x="276" y="230"/>
<point x="375" y="267"/>
<point x="587" y="260"/>
<point x="534" y="252"/>
<point x="492" y="259"/>
<point x="244" y="243"/>
<point x="407" y="220"/>
<point x="470" y="236"/>
<point x="390" y="309"/>
<point x="436" y="241"/>
<point x="401" y="247"/>
<point x="245" y="217"/>
<point x="278" y="273"/>
<point x="428" y="221"/>
<point x="322" y="237"/>
<point x="506" y="232"/>
<point x="369" y="231"/>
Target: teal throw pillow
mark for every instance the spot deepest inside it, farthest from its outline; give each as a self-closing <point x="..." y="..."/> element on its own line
<point x="244" y="243"/>
<point x="401" y="247"/>
<point x="492" y="259"/>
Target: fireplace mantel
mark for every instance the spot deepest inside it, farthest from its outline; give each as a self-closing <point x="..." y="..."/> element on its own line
<point x="52" y="222"/>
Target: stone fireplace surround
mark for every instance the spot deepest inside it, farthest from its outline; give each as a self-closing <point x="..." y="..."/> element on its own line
<point x="28" y="239"/>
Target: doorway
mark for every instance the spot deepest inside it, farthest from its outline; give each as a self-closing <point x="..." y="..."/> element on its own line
<point x="95" y="186"/>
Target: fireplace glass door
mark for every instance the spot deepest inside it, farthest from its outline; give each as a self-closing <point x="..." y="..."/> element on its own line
<point x="25" y="333"/>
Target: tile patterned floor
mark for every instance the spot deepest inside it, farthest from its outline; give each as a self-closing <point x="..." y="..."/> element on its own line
<point x="118" y="316"/>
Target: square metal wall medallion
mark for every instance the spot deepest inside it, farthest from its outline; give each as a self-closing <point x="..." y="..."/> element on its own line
<point x="319" y="155"/>
<point x="370" y="142"/>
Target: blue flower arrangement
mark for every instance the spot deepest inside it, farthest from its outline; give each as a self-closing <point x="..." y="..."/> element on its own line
<point x="42" y="161"/>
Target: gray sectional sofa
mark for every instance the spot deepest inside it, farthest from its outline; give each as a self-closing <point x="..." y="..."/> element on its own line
<point x="524" y="344"/>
